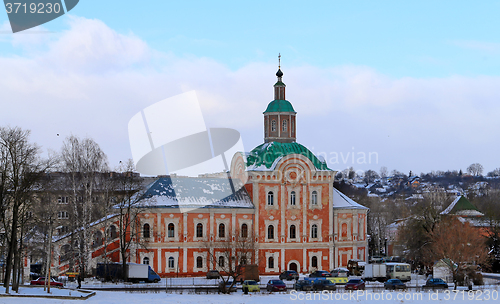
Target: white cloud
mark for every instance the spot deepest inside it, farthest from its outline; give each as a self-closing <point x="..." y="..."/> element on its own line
<point x="90" y="80"/>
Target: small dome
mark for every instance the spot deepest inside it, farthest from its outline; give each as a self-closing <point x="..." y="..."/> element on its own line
<point x="279" y="73"/>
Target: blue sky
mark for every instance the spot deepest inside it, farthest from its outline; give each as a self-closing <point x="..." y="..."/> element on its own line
<point x="417" y="83"/>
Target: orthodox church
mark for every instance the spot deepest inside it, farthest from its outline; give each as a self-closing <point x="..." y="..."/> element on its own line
<point x="286" y="204"/>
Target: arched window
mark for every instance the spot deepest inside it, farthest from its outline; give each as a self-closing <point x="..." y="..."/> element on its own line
<point x="145" y="261"/>
<point x="199" y="262"/>
<point x="270" y="262"/>
<point x="171" y="262"/>
<point x="243" y="260"/>
<point x="314" y="198"/>
<point x="285" y="125"/>
<point x="270" y="198"/>
<point x="221" y="261"/>
<point x="270" y="232"/>
<point x="244" y="230"/>
<point x="171" y="230"/>
<point x="314" y="231"/>
<point x="112" y="232"/>
<point x="273" y="125"/>
<point x="222" y="231"/>
<point x="199" y="230"/>
<point x="292" y="198"/>
<point x="292" y="231"/>
<point x="145" y="231"/>
<point x="314" y="262"/>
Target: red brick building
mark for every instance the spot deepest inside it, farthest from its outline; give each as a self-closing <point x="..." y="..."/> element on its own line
<point x="288" y="204"/>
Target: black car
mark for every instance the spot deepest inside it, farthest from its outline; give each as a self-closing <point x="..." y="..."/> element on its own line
<point x="303" y="285"/>
<point x="394" y="284"/>
<point x="289" y="275"/>
<point x="320" y="274"/>
<point x="435" y="283"/>
<point x="319" y="285"/>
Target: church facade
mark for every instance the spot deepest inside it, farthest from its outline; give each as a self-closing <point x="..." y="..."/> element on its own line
<point x="287" y="204"/>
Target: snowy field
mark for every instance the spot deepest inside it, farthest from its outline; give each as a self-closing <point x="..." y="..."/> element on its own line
<point x="109" y="297"/>
<point x="375" y="294"/>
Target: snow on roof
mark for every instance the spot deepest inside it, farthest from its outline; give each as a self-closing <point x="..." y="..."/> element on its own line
<point x="340" y="200"/>
<point x="198" y="192"/>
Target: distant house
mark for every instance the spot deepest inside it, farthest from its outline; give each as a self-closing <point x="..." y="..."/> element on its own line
<point x="442" y="270"/>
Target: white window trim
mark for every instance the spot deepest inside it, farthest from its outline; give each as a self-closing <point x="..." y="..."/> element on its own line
<point x="149" y="221"/>
<point x="297" y="231"/>
<point x="275" y="190"/>
<point x="318" y="255"/>
<point x="249" y="226"/>
<point x="289" y="190"/>
<point x="275" y="256"/>
<point x="319" y="205"/>
<point x="175" y="255"/>
<point x="226" y="222"/>
<point x="318" y="223"/>
<point x="174" y="221"/>
<point x="150" y="255"/>
<point x="203" y="255"/>
<point x="276" y="235"/>
<point x="349" y="232"/>
<point x="204" y="222"/>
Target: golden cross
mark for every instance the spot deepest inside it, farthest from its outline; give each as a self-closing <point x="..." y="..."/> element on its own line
<point x="279" y="60"/>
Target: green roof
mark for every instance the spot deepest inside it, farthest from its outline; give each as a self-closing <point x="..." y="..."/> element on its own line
<point x="267" y="153"/>
<point x="280" y="105"/>
<point x="463" y="207"/>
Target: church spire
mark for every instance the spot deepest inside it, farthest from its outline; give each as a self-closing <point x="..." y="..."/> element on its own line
<point x="279" y="87"/>
<point x="279" y="117"/>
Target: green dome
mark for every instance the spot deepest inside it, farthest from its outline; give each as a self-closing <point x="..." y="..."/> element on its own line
<point x="267" y="153"/>
<point x="280" y="106"/>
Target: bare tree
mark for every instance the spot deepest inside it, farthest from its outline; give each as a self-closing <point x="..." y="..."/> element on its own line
<point x="384" y="172"/>
<point x="20" y="170"/>
<point x="127" y="184"/>
<point x="458" y="242"/>
<point x="475" y="169"/>
<point x="370" y="176"/>
<point x="231" y="255"/>
<point x="84" y="162"/>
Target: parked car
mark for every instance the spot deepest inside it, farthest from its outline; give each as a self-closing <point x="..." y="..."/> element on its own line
<point x="250" y="286"/>
<point x="303" y="285"/>
<point x="435" y="283"/>
<point x="41" y="281"/>
<point x="324" y="285"/>
<point x="320" y="274"/>
<point x="275" y="285"/>
<point x="394" y="284"/>
<point x="340" y="272"/>
<point x="289" y="275"/>
<point x="213" y="274"/>
<point x="228" y="286"/>
<point x="355" y="284"/>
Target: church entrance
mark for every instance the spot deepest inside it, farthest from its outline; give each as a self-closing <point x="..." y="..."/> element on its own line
<point x="292" y="266"/>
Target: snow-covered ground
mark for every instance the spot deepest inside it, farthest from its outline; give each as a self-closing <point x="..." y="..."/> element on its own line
<point x="108" y="297"/>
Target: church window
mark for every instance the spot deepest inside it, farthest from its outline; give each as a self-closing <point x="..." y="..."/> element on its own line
<point x="171" y="230"/>
<point x="221" y="261"/>
<point x="270" y="262"/>
<point x="314" y="231"/>
<point x="222" y="231"/>
<point x="145" y="261"/>
<point x="146" y="231"/>
<point x="285" y="125"/>
<point x="273" y="126"/>
<point x="270" y="198"/>
<point x="199" y="262"/>
<point x="292" y="232"/>
<point x="270" y="232"/>
<point x="199" y="230"/>
<point x="171" y="263"/>
<point x="244" y="230"/>
<point x="314" y="198"/>
<point x="314" y="262"/>
<point x="292" y="198"/>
